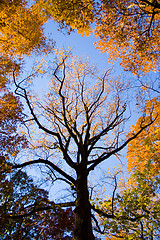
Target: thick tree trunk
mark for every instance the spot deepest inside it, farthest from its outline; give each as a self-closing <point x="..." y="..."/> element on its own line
<point x="83" y="226"/>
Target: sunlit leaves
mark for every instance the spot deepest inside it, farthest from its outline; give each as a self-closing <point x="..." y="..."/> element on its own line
<point x="136" y="210"/>
<point x="136" y="206"/>
<point x="69" y="14"/>
<point x="144" y="150"/>
<point x="10" y="118"/>
<point x="20" y="29"/>
<point x="129" y="30"/>
<point x="80" y="100"/>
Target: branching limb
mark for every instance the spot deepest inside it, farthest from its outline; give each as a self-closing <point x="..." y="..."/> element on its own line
<point x="52" y="206"/>
<point x="97" y="229"/>
<point x="102" y="213"/>
<point x="46" y="162"/>
<point x="101" y="159"/>
<point x="57" y="135"/>
<point x="113" y="196"/>
<point x="154" y="4"/>
<point x="54" y="178"/>
<point x="111" y="126"/>
<point x="63" y="100"/>
<point x="25" y="96"/>
<point x="113" y="216"/>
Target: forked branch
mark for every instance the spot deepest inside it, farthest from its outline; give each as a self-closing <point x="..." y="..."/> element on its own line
<point x="46" y="162"/>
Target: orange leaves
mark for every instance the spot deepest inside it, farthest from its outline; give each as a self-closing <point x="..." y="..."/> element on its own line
<point x="10" y="118"/>
<point x="144" y="150"/>
<point x="128" y="31"/>
<point x="21" y="33"/>
<point x="69" y="14"/>
<point x="20" y="29"/>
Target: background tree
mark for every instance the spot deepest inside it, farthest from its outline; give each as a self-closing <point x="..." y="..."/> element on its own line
<point x="135" y="209"/>
<point x="127" y="30"/>
<point x="81" y="126"/>
<point x="136" y="204"/>
<point x="10" y="118"/>
<point x="26" y="211"/>
<point x="21" y="33"/>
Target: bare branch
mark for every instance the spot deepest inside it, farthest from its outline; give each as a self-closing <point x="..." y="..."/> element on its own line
<point x="63" y="100"/>
<point x="66" y="156"/>
<point x="46" y="162"/>
<point x="154" y="4"/>
<point x="102" y="213"/>
<point x="35" y="209"/>
<point x="113" y="196"/>
<point x="113" y="216"/>
<point x="97" y="229"/>
<point x="31" y="109"/>
<point x="111" y="126"/>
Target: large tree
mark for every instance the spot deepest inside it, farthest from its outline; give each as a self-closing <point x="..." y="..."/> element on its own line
<point x="78" y="122"/>
<point x="81" y="125"/>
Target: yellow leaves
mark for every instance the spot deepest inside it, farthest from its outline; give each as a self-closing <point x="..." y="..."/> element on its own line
<point x="40" y="68"/>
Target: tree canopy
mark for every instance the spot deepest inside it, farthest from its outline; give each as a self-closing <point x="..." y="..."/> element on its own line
<point x="145" y="149"/>
<point x="26" y="211"/>
<point x="21" y="29"/>
<point x="126" y="30"/>
<point x="129" y="30"/>
<point x="80" y="122"/>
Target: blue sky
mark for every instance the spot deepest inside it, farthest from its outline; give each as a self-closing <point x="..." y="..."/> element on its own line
<point x="81" y="45"/>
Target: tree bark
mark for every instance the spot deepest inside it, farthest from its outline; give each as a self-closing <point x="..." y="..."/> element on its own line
<point x="83" y="225"/>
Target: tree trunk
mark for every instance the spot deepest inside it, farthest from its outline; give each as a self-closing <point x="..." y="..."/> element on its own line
<point x="83" y="226"/>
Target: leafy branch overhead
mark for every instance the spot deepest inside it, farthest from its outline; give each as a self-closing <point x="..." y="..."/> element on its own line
<point x="126" y="30"/>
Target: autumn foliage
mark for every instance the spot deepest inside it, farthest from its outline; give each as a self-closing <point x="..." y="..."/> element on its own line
<point x="129" y="31"/>
<point x="10" y="119"/>
<point x="20" y="27"/>
<point x="69" y="14"/>
<point x="80" y="123"/>
<point x="145" y="149"/>
<point x="136" y="205"/>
